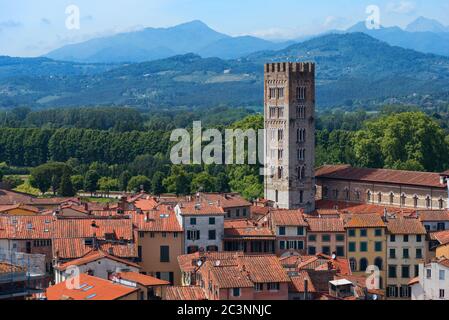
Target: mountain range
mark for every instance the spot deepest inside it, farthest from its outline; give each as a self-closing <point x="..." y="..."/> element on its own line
<point x="424" y="35"/>
<point x="350" y="67"/>
<point x="158" y="43"/>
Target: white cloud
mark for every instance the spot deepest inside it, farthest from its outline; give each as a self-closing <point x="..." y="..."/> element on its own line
<point x="333" y="22"/>
<point x="401" y="7"/>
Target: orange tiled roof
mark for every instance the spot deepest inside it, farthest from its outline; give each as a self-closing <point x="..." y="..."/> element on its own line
<point x="405" y="226"/>
<point x="365" y="221"/>
<point x="444" y="262"/>
<point x="184" y="294"/>
<point x="436" y="215"/>
<point x="74" y="248"/>
<point x="93" y="256"/>
<point x="298" y="282"/>
<point x="161" y="219"/>
<point x="288" y="218"/>
<point x="246" y="229"/>
<point x="346" y="172"/>
<point x="91" y="288"/>
<point x="228" y="276"/>
<point x="441" y="236"/>
<point x="360" y="208"/>
<point x="263" y="268"/>
<point x="187" y="261"/>
<point x="146" y="204"/>
<point x="203" y="208"/>
<point x="141" y="279"/>
<point x="6" y="208"/>
<point x="87" y="228"/>
<point x="226" y="201"/>
<point x="26" y="227"/>
<point x="413" y="281"/>
<point x="325" y="225"/>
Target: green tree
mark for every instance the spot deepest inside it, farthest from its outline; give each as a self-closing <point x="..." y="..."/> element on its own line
<point x="138" y="182"/>
<point x="410" y="140"/>
<point x="124" y="178"/>
<point x="106" y="184"/>
<point x="157" y="183"/>
<point x="48" y="175"/>
<point x="66" y="188"/>
<point x="91" y="181"/>
<point x="178" y="181"/>
<point x="203" y="182"/>
<point x="78" y="182"/>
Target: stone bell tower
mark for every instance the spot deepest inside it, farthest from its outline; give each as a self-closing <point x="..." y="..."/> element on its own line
<point x="289" y="112"/>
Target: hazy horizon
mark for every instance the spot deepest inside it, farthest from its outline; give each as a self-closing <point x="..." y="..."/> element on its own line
<point x="29" y="28"/>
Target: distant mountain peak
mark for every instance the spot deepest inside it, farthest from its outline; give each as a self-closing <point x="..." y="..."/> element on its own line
<point x="423" y="24"/>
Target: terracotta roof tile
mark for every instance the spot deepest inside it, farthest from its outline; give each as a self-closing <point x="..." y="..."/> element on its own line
<point x="184" y="294"/>
<point x="365" y="221"/>
<point x="203" y="208"/>
<point x="146" y="204"/>
<point x="298" y="282"/>
<point x="405" y="226"/>
<point x="288" y="218"/>
<point x="161" y="219"/>
<point x="187" y="262"/>
<point x="441" y="236"/>
<point x="246" y="229"/>
<point x="92" y="256"/>
<point x="345" y="172"/>
<point x="436" y="215"/>
<point x="6" y="208"/>
<point x="325" y="225"/>
<point x="141" y="279"/>
<point x="87" y="228"/>
<point x="26" y="227"/>
<point x="360" y="208"/>
<point x="226" y="276"/>
<point x="263" y="269"/>
<point x="225" y="201"/>
<point x="74" y="248"/>
<point x="91" y="288"/>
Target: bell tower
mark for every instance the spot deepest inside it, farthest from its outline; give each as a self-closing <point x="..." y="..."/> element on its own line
<point x="289" y="113"/>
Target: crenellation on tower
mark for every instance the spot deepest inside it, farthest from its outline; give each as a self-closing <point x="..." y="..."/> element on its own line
<point x="289" y="112"/>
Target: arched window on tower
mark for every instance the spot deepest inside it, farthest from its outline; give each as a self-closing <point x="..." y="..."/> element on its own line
<point x="368" y="196"/>
<point x="415" y="201"/>
<point x="428" y="202"/>
<point x="441" y="204"/>
<point x="379" y="197"/>
<point x="391" y="198"/>
<point x="403" y="199"/>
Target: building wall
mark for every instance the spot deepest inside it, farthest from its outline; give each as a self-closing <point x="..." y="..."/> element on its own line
<point x="131" y="297"/>
<point x="238" y="212"/>
<point x="398" y="245"/>
<point x="319" y="243"/>
<point x="434" y="225"/>
<point x="370" y="255"/>
<point x="102" y="268"/>
<point x="291" y="234"/>
<point x="442" y="251"/>
<point x="282" y="113"/>
<point x="356" y="191"/>
<point x="150" y="243"/>
<point x="429" y="288"/>
<point x="202" y="225"/>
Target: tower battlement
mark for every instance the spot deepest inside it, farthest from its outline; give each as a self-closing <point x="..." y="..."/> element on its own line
<point x="285" y="67"/>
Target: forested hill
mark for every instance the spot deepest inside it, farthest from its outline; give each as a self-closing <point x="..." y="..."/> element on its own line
<point x="350" y="67"/>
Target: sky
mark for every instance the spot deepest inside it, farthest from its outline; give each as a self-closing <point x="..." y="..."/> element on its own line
<point x="32" y="28"/>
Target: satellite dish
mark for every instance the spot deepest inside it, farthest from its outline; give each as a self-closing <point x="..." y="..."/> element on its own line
<point x="199" y="263"/>
<point x="334" y="256"/>
<point x="375" y="297"/>
<point x="217" y="263"/>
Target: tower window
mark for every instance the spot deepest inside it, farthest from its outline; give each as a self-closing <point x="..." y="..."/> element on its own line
<point x="272" y="93"/>
<point x="280" y="92"/>
<point x="301" y="93"/>
<point x="301" y="196"/>
<point x="280" y="135"/>
<point x="301" y="112"/>
<point x="276" y="196"/>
